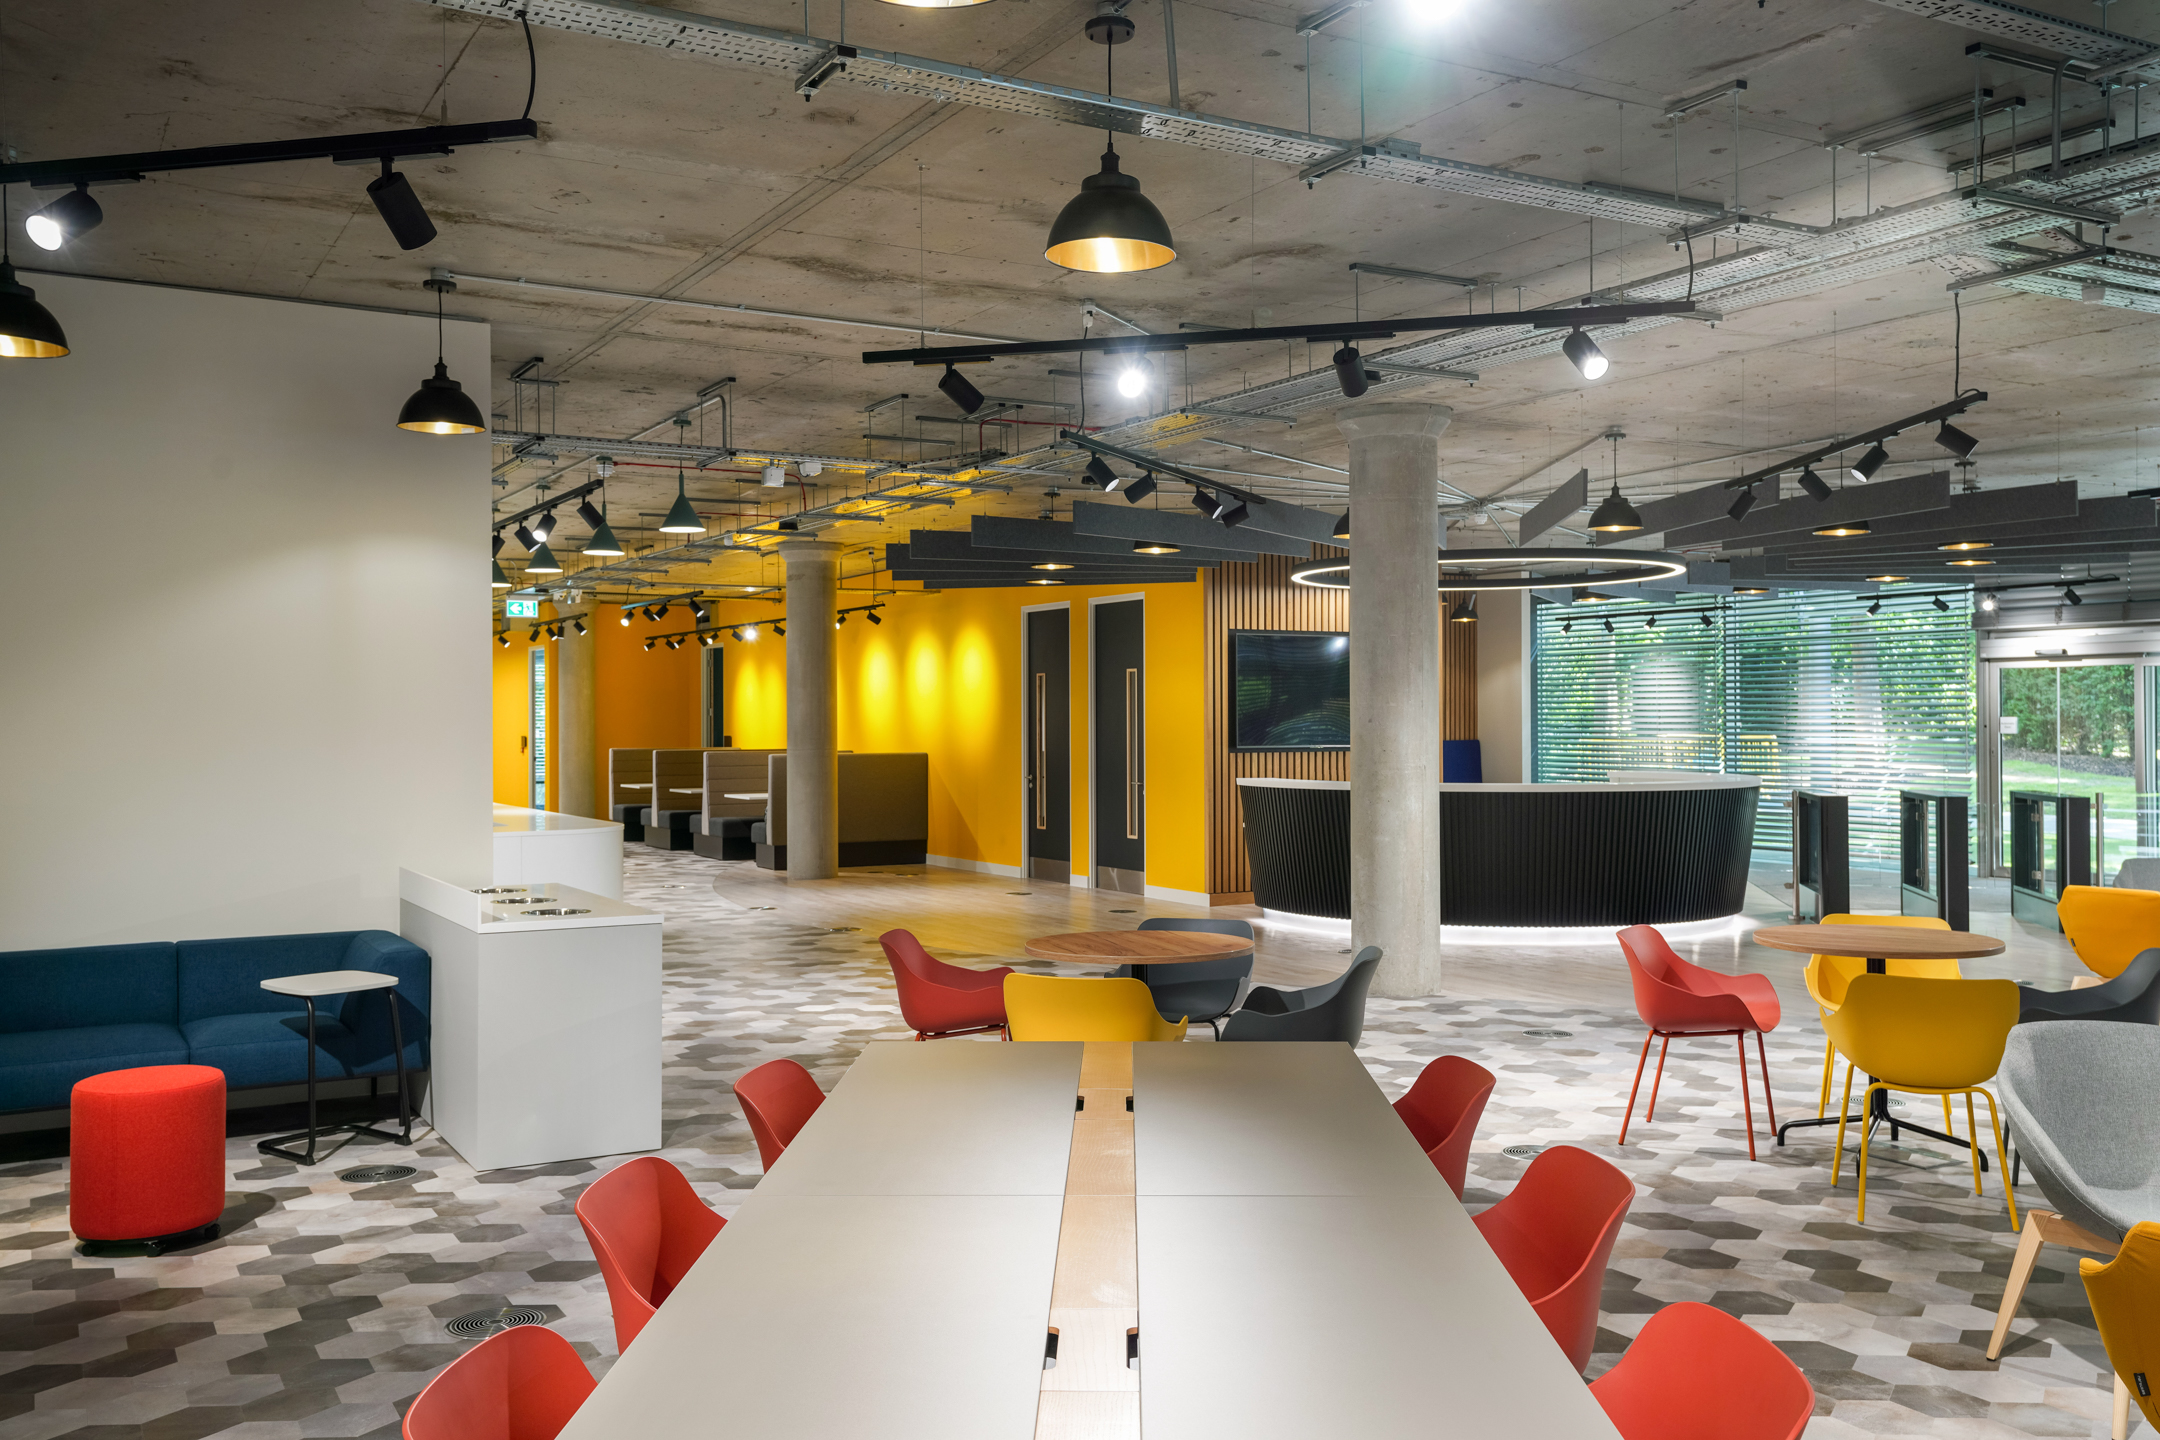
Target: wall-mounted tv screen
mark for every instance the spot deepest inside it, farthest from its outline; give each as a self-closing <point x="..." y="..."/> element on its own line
<point x="1289" y="690"/>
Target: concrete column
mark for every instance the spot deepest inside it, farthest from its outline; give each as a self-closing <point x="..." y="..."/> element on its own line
<point x="575" y="790"/>
<point x="813" y="732"/>
<point x="1395" y="690"/>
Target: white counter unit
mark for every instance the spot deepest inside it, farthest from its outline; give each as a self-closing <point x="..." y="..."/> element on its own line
<point x="533" y="846"/>
<point x="546" y="1038"/>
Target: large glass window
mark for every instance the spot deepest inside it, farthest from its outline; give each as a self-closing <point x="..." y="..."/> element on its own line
<point x="2071" y="729"/>
<point x="1807" y="691"/>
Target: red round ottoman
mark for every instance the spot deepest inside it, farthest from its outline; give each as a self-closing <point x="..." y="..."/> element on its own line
<point x="146" y="1159"/>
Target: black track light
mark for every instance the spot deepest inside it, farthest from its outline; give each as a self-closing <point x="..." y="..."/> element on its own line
<point x="1608" y="625"/>
<point x="503" y="638"/>
<point x="526" y="537"/>
<point x="1956" y="441"/>
<point x="1100" y="474"/>
<point x="1743" y="504"/>
<point x="1342" y="527"/>
<point x="1650" y="623"/>
<point x="1235" y="514"/>
<point x="440" y="406"/>
<point x="1582" y="352"/>
<point x="1205" y="503"/>
<point x="534" y="633"/>
<point x="1706" y="620"/>
<point x="400" y="208"/>
<point x="1140" y="489"/>
<point x="650" y="643"/>
<point x="625" y="617"/>
<point x="659" y="612"/>
<point x="1814" y="484"/>
<point x="73" y="214"/>
<point x="697" y="608"/>
<point x="1614" y="515"/>
<point x="543" y="529"/>
<point x="779" y="629"/>
<point x="1876" y="608"/>
<point x="578" y="625"/>
<point x="592" y="517"/>
<point x="1864" y="468"/>
<point x="1350" y="372"/>
<point x="2068" y="594"/>
<point x="875" y="618"/>
<point x="1566" y="626"/>
<point x="958" y="389"/>
<point x="646" y="611"/>
<point x="839" y="620"/>
<point x="497" y="547"/>
<point x="1110" y="228"/>
<point x="1941" y="604"/>
<point x="1987" y="603"/>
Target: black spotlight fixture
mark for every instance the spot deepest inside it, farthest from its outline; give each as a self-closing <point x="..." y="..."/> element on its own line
<point x="650" y="643"/>
<point x="779" y="629"/>
<point x="1608" y="625"/>
<point x="1100" y="474"/>
<point x="1876" y="608"/>
<point x="1743" y="504"/>
<point x="1956" y="441"/>
<point x="1566" y="626"/>
<point x="543" y="529"/>
<point x="1814" y="484"/>
<point x="1140" y="489"/>
<point x="440" y="406"/>
<point x="1941" y="604"/>
<point x="960" y="390"/>
<point x="659" y="612"/>
<point x="27" y="329"/>
<point x="1234" y="514"/>
<point x="496" y="549"/>
<point x="697" y="608"/>
<point x="1350" y="372"/>
<point x="1205" y="503"/>
<point x="592" y="517"/>
<point x="578" y="625"/>
<point x="502" y="637"/>
<point x="526" y="537"/>
<point x="73" y="214"/>
<point x="1582" y="352"/>
<point x="1614" y="516"/>
<point x="875" y="618"/>
<point x="400" y="208"/>
<point x="1706" y="620"/>
<point x="1342" y="527"/>
<point x="1864" y="468"/>
<point x="1650" y="623"/>
<point x="2068" y="594"/>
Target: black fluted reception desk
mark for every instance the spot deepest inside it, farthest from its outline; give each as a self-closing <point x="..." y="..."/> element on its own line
<point x="1660" y="853"/>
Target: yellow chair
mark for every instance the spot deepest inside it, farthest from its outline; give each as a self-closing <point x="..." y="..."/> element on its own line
<point x="1924" y="1037"/>
<point x="1048" y="1007"/>
<point x="1827" y="976"/>
<point x="2125" y="1296"/>
<point x="2109" y="927"/>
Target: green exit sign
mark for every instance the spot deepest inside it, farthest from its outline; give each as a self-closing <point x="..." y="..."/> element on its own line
<point x="521" y="609"/>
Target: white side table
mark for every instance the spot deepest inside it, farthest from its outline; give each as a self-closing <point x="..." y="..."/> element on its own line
<point x="340" y="982"/>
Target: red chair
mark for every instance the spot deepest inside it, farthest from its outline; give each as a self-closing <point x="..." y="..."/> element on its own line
<point x="1695" y="1373"/>
<point x="647" y="1227"/>
<point x="522" y="1384"/>
<point x="1676" y="998"/>
<point x="937" y="999"/>
<point x="1442" y="1111"/>
<point x="778" y="1099"/>
<point x="1554" y="1232"/>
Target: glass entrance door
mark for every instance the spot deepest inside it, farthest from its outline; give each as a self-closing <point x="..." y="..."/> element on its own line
<point x="2076" y="729"/>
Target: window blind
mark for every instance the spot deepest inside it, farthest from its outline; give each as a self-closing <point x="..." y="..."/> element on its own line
<point x="1806" y="690"/>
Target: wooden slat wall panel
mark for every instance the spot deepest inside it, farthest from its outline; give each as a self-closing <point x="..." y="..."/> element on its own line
<point x="1260" y="596"/>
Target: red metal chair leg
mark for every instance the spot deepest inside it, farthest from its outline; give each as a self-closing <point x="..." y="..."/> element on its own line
<point x="1747" y="1107"/>
<point x="1641" y="1061"/>
<point x="1650" y="1115"/>
<point x="1769" y="1101"/>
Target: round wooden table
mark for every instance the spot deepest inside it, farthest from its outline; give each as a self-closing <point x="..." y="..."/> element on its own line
<point x="1137" y="947"/>
<point x="1878" y="944"/>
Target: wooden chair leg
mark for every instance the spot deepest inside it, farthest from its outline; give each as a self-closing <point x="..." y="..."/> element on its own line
<point x="2119" y="1428"/>
<point x="1747" y="1108"/>
<point x="1995" y="1129"/>
<point x="1763" y="1058"/>
<point x="2021" y="1268"/>
<point x="1867" y="1107"/>
<point x="1641" y="1061"/>
<point x="1837" y="1156"/>
<point x="1650" y="1115"/>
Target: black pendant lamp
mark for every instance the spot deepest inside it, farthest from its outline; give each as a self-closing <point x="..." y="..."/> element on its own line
<point x="440" y="406"/>
<point x="1110" y="228"/>
<point x="27" y="329"/>
<point x="1614" y="516"/>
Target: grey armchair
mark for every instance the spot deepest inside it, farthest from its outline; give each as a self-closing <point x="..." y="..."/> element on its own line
<point x="2132" y="997"/>
<point x="1332" y="1011"/>
<point x="2084" y="1104"/>
<point x="1199" y="990"/>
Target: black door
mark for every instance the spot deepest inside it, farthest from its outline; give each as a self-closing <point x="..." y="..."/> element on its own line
<point x="715" y="698"/>
<point x="1049" y="745"/>
<point x="1120" y="760"/>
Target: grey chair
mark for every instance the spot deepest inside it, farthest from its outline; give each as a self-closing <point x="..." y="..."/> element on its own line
<point x="2132" y="997"/>
<point x="1202" y="991"/>
<point x="2084" y="1104"/>
<point x="1333" y="1011"/>
<point x="2140" y="872"/>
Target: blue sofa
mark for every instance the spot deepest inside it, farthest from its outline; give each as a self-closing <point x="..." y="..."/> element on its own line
<point x="66" y="1015"/>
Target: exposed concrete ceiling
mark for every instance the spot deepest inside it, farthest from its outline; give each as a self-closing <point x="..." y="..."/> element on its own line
<point x="670" y="174"/>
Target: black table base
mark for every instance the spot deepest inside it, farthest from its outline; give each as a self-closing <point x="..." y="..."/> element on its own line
<point x="278" y="1145"/>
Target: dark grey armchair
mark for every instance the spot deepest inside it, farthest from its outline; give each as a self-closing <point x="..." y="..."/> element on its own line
<point x="1333" y="1011"/>
<point x="1199" y="990"/>
<point x="2132" y="997"/>
<point x="2083" y="1102"/>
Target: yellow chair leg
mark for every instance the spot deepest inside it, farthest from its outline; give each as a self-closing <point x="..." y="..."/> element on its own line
<point x="1829" y="1072"/>
<point x="1972" y="1133"/>
<point x="1867" y="1107"/>
<point x="1995" y="1129"/>
<point x="1837" y="1156"/>
<point x="1949" y="1122"/>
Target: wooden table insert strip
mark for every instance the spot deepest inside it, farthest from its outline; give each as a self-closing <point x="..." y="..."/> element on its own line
<point x="1092" y="1392"/>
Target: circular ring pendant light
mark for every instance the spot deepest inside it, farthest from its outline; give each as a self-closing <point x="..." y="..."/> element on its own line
<point x="1110" y="228"/>
<point x="1510" y="569"/>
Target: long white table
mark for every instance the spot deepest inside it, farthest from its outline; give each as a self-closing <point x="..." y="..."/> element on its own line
<point x="1303" y="1270"/>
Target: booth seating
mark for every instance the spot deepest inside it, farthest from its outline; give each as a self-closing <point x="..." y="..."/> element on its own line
<point x="723" y="828"/>
<point x="884" y="810"/>
<point x="629" y="790"/>
<point x="71" y="1014"/>
<point x="678" y="798"/>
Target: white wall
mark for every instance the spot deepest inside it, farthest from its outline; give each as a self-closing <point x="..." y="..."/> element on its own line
<point x="245" y="675"/>
<point x="1503" y="684"/>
